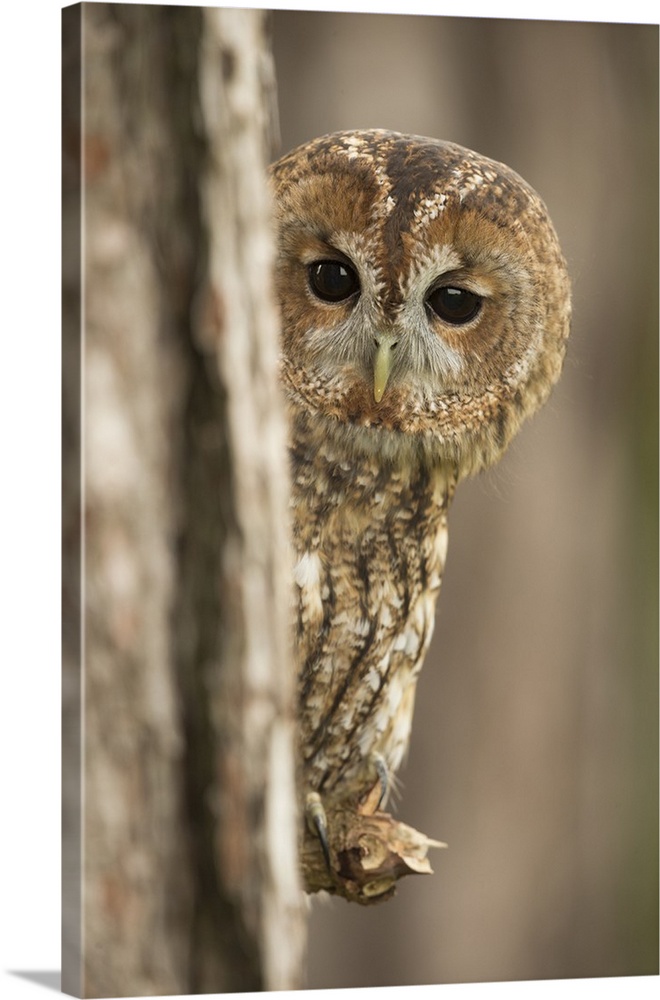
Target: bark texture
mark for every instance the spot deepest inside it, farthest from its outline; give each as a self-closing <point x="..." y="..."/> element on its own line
<point x="181" y="664"/>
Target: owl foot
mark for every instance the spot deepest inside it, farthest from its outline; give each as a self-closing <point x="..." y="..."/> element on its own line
<point x="318" y="823"/>
<point x="381" y="788"/>
<point x="383" y="773"/>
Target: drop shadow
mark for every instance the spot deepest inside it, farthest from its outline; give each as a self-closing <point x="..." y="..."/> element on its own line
<point x="50" y="980"/>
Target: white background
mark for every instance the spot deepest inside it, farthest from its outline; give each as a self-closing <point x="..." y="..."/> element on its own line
<point x="30" y="491"/>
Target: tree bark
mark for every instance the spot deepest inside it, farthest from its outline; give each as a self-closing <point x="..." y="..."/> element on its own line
<point x="175" y="513"/>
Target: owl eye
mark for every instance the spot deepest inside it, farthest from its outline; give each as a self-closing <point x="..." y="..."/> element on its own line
<point x="454" y="305"/>
<point x="332" y="280"/>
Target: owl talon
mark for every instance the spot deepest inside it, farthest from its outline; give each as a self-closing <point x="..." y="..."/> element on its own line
<point x="318" y="824"/>
<point x="383" y="777"/>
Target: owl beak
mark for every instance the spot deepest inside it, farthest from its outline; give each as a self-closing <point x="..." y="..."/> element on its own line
<point x="382" y="364"/>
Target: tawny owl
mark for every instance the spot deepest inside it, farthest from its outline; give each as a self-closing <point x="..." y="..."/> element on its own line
<point x="425" y="308"/>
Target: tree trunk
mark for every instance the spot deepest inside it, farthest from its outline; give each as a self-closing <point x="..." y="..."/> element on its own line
<point x="175" y="636"/>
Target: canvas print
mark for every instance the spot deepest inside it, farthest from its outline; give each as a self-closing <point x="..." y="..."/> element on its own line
<point x="359" y="500"/>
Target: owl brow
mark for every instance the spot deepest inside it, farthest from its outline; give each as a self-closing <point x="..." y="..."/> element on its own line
<point x="464" y="277"/>
<point x="441" y="260"/>
<point x="327" y="249"/>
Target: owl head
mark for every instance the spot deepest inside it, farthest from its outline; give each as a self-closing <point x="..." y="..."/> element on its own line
<point x="424" y="299"/>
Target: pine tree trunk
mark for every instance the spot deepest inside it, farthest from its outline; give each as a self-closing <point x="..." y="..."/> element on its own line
<point x="174" y="515"/>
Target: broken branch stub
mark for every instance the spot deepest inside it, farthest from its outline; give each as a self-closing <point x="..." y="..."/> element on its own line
<point x="369" y="853"/>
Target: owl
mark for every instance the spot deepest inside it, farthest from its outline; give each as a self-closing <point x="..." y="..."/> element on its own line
<point x="425" y="308"/>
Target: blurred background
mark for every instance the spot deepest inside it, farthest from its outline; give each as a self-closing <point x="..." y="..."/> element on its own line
<point x="535" y="743"/>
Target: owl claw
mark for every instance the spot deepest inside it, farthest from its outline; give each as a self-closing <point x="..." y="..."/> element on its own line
<point x="318" y="824"/>
<point x="383" y="778"/>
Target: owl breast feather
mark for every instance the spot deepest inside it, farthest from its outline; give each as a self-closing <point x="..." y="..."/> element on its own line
<point x="370" y="551"/>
